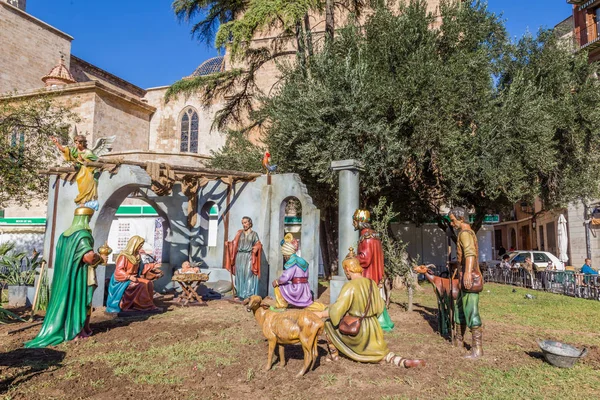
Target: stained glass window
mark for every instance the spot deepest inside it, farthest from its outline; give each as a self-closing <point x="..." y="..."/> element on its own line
<point x="17" y="140"/>
<point x="185" y="132"/>
<point x="189" y="131"/>
<point x="194" y="133"/>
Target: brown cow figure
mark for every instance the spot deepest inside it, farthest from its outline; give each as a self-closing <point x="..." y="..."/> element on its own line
<point x="287" y="327"/>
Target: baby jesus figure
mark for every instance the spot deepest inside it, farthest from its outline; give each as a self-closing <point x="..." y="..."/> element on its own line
<point x="186" y="268"/>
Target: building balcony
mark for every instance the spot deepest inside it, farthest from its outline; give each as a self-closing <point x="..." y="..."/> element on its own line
<point x="587" y="38"/>
<point x="583" y="4"/>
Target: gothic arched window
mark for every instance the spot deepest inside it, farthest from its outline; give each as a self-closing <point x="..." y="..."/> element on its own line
<point x="17" y="142"/>
<point x="189" y="131"/>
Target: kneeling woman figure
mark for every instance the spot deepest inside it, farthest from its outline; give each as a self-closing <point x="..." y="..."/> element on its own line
<point x="129" y="288"/>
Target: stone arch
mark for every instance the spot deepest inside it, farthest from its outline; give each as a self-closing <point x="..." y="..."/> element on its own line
<point x="108" y="210"/>
<point x="107" y="214"/>
<point x="287" y="188"/>
<point x="282" y="224"/>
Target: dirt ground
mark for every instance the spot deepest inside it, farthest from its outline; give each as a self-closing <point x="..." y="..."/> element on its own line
<point x="219" y="352"/>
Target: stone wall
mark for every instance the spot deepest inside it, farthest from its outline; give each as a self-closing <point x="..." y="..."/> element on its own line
<point x="116" y="116"/>
<point x="82" y="103"/>
<point x="165" y="125"/>
<point x="37" y="209"/>
<point x="26" y="239"/>
<point x="83" y="71"/>
<point x="30" y="49"/>
<point x="429" y="244"/>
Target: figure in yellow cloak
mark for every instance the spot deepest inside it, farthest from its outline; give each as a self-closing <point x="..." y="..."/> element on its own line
<point x="87" y="182"/>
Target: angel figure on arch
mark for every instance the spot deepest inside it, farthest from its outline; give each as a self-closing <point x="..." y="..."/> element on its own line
<point x="87" y="180"/>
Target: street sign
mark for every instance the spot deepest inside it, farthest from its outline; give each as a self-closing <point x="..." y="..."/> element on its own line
<point x="22" y="221"/>
<point x="488" y="219"/>
<point x="136" y="211"/>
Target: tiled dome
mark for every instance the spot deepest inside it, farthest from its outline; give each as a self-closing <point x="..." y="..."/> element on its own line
<point x="59" y="75"/>
<point x="210" y="66"/>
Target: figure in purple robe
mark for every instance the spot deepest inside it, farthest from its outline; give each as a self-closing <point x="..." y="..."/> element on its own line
<point x="292" y="287"/>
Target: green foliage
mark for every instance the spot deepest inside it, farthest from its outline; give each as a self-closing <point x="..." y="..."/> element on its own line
<point x="260" y="16"/>
<point x="7" y="316"/>
<point x="397" y="261"/>
<point x="236" y="23"/>
<point x="18" y="269"/>
<point x="212" y="12"/>
<point x="238" y="154"/>
<point x="205" y="84"/>
<point x="452" y="116"/>
<point x="25" y="148"/>
<point x="560" y="92"/>
<point x="5" y="247"/>
<point x="44" y="293"/>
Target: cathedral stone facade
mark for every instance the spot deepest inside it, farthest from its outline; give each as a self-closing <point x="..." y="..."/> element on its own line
<point x="36" y="59"/>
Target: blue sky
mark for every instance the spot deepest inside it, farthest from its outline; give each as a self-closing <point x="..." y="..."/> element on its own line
<point x="142" y="41"/>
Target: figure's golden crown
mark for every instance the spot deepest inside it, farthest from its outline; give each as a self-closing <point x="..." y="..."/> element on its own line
<point x="362" y="215"/>
<point x="84" y="211"/>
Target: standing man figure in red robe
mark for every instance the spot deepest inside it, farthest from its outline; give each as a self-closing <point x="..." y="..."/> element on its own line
<point x="370" y="255"/>
<point x="243" y="260"/>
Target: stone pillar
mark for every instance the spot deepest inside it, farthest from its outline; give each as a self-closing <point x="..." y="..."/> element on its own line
<point x="349" y="192"/>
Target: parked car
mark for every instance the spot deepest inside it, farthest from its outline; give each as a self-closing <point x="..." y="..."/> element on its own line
<point x="539" y="258"/>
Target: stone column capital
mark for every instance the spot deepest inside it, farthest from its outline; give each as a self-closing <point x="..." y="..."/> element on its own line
<point x="352" y="165"/>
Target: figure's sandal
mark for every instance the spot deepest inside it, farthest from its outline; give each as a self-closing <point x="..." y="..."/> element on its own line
<point x="398" y="361"/>
<point x="333" y="352"/>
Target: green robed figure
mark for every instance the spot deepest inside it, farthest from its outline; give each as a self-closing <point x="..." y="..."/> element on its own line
<point x="466" y="307"/>
<point x="73" y="285"/>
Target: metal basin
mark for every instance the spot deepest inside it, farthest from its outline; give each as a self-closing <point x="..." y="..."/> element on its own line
<point x="560" y="354"/>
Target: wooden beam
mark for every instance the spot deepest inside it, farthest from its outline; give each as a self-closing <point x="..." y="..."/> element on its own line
<point x="180" y="169"/>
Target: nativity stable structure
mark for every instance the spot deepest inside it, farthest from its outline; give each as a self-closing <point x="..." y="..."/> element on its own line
<point x="183" y="197"/>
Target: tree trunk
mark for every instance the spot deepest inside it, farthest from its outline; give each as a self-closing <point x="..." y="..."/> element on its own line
<point x="329" y="21"/>
<point x="325" y="253"/>
<point x="329" y="221"/>
<point x="411" y="291"/>
<point x="388" y="285"/>
<point x="300" y="44"/>
<point x="308" y="37"/>
<point x="478" y="220"/>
